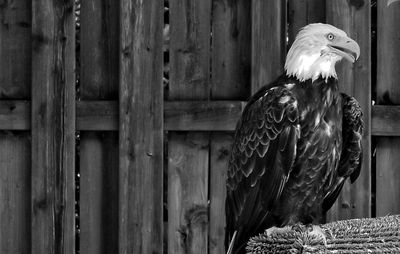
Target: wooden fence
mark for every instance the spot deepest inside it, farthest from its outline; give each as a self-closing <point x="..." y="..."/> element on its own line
<point x="99" y="155"/>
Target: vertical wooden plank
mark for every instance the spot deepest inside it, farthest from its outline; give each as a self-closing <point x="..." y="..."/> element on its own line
<point x="190" y="49"/>
<point x="99" y="49"/>
<point x="354" y="17"/>
<point x="388" y="92"/>
<point x="15" y="49"/>
<point x="99" y="192"/>
<point x="231" y="70"/>
<point x="188" y="192"/>
<point x="15" y="163"/>
<point x="190" y="26"/>
<point x="53" y="127"/>
<point x="304" y="12"/>
<point x="231" y="53"/>
<point x="141" y="127"/>
<point x="219" y="155"/>
<point x="99" y="75"/>
<point x="268" y="41"/>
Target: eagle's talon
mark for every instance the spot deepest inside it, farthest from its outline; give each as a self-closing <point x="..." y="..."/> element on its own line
<point x="277" y="231"/>
<point x="318" y="232"/>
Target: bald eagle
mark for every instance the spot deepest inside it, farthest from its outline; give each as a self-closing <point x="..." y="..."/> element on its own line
<point x="297" y="141"/>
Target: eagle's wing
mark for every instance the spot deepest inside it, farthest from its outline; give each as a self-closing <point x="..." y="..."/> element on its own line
<point x="262" y="157"/>
<point x="351" y="155"/>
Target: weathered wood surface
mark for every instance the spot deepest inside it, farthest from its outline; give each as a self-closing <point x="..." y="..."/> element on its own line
<point x="303" y="12"/>
<point x="211" y="115"/>
<point x="388" y="92"/>
<point x="188" y="156"/>
<point x="354" y="17"/>
<point x="99" y="49"/>
<point x="15" y="115"/>
<point x="15" y="49"/>
<point x="190" y="29"/>
<point x="268" y="41"/>
<point x="141" y="127"/>
<point x="98" y="192"/>
<point x="53" y="127"/>
<point x="385" y="120"/>
<point x="219" y="155"/>
<point x="99" y="77"/>
<point x="98" y="115"/>
<point x="15" y="182"/>
<point x="230" y="79"/>
<point x="178" y="116"/>
<point x="231" y="51"/>
<point x="190" y="24"/>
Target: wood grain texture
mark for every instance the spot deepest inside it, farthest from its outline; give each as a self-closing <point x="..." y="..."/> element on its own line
<point x="98" y="192"/>
<point x="15" y="115"/>
<point x="15" y="182"/>
<point x="141" y="127"/>
<point x="15" y="49"/>
<point x="190" y="29"/>
<point x="268" y="41"/>
<point x="388" y="92"/>
<point x="230" y="79"/>
<point x="385" y="120"/>
<point x="53" y="127"/>
<point x="99" y="115"/>
<point x="354" y="18"/>
<point x="212" y="115"/>
<point x="304" y="12"/>
<point x="219" y="155"/>
<point x="188" y="155"/>
<point x="190" y="24"/>
<point x="99" y="77"/>
<point x="99" y="49"/>
<point x="178" y="116"/>
<point x="231" y="53"/>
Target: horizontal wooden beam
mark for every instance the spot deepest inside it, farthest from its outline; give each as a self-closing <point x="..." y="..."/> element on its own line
<point x="202" y="115"/>
<point x="178" y="116"/>
<point x="385" y="120"/>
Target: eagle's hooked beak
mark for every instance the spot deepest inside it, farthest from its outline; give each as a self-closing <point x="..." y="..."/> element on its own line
<point x="346" y="47"/>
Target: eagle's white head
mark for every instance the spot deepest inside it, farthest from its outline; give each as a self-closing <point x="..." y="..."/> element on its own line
<point x="316" y="50"/>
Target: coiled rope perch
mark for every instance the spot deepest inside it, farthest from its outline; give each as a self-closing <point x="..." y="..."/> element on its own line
<point x="372" y="235"/>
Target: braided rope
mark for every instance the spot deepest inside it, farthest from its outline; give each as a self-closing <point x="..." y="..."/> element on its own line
<point x="371" y="235"/>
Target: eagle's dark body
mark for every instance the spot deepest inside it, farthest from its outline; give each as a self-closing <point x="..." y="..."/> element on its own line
<point x="295" y="145"/>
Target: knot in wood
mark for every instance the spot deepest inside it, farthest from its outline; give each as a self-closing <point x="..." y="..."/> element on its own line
<point x="357" y="3"/>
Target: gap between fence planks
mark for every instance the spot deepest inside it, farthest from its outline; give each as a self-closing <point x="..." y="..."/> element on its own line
<point x="53" y="127"/>
<point x="141" y="127"/>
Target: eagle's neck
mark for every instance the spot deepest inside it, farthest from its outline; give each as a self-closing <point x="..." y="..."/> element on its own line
<point x="311" y="66"/>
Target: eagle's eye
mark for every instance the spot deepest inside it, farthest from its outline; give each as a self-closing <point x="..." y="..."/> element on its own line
<point x="330" y="36"/>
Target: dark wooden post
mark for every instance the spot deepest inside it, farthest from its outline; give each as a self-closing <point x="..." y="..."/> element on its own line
<point x="141" y="127"/>
<point x="53" y="127"/>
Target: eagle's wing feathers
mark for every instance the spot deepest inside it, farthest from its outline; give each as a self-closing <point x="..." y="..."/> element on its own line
<point x="262" y="156"/>
<point x="351" y="155"/>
